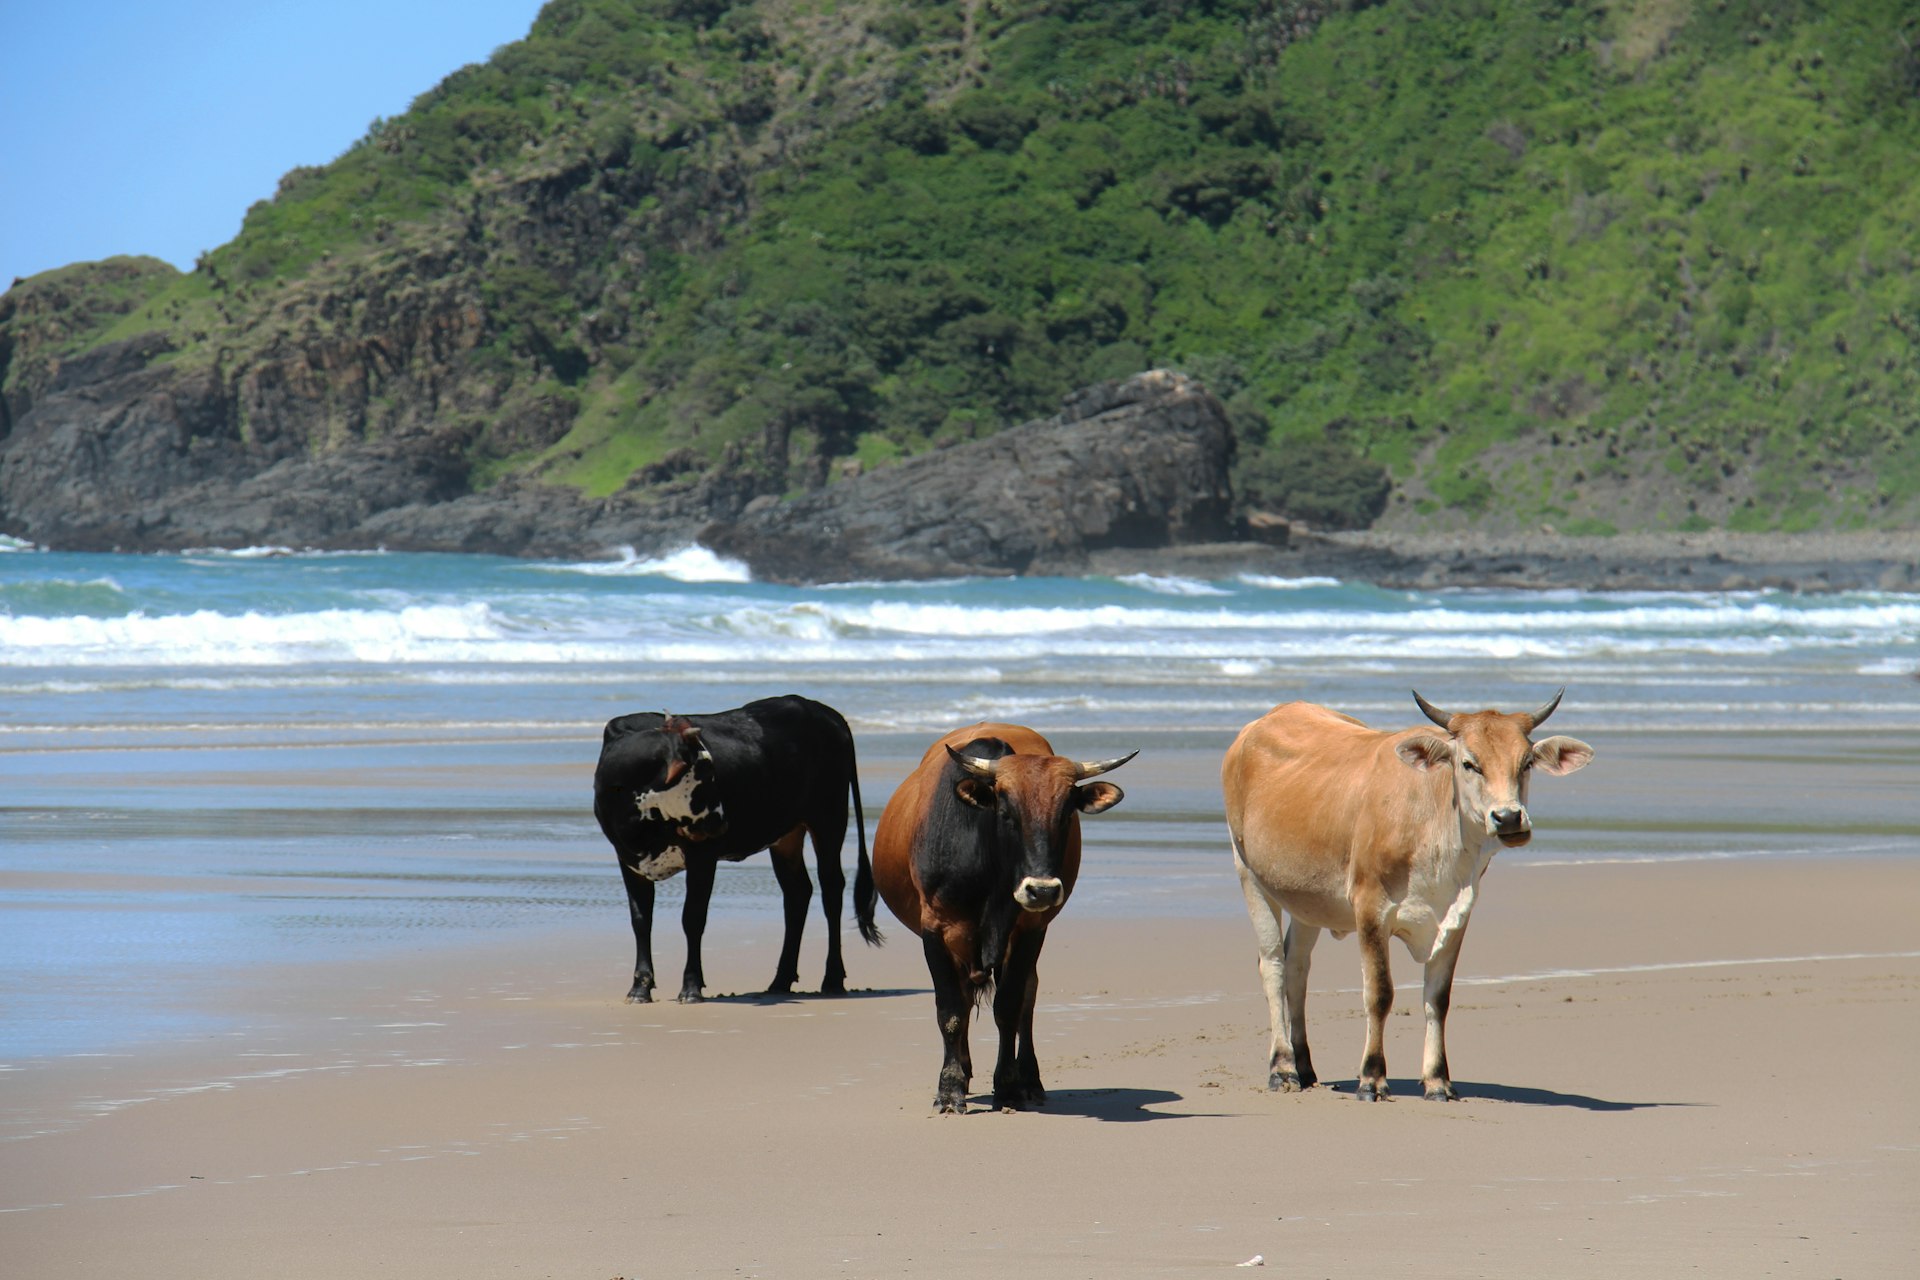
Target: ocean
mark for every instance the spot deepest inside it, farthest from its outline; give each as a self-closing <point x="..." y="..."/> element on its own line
<point x="215" y="764"/>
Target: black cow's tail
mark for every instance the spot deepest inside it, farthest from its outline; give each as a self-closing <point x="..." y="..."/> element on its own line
<point x="863" y="888"/>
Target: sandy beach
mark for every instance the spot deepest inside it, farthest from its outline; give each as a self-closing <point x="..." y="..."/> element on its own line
<point x="1686" y="1067"/>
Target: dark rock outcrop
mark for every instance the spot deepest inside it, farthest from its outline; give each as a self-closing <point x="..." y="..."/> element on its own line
<point x="126" y="450"/>
<point x="1141" y="463"/>
<point x="105" y="450"/>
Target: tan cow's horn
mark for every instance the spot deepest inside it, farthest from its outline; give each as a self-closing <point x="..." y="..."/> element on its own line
<point x="1539" y="717"/>
<point x="1094" y="768"/>
<point x="1433" y="713"/>
<point x="974" y="765"/>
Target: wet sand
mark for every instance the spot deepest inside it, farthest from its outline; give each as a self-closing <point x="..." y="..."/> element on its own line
<point x="1691" y="1067"/>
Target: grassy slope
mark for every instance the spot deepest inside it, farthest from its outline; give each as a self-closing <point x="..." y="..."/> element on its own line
<point x="1673" y="238"/>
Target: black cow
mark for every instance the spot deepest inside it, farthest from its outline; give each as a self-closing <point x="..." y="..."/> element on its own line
<point x="679" y="793"/>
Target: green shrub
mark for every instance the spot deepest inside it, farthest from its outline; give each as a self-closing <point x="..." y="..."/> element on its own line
<point x="1321" y="482"/>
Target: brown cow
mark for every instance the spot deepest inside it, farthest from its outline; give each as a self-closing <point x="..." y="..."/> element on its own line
<point x="1353" y="829"/>
<point x="977" y="853"/>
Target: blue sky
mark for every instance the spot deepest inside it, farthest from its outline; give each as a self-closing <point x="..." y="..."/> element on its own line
<point x="148" y="128"/>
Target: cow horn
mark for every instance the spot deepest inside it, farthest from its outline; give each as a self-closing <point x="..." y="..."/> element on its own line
<point x="1539" y="717"/>
<point x="979" y="768"/>
<point x="1094" y="768"/>
<point x="1433" y="713"/>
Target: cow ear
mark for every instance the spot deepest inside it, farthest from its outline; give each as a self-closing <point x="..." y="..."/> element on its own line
<point x="1561" y="754"/>
<point x="1426" y="751"/>
<point x="975" y="791"/>
<point x="1097" y="797"/>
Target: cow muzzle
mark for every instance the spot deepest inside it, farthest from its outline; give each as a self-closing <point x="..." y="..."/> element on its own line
<point x="1036" y="893"/>
<point x="1511" y="827"/>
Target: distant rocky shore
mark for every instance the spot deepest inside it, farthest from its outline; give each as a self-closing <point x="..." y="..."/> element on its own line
<point x="1130" y="476"/>
<point x="1713" y="561"/>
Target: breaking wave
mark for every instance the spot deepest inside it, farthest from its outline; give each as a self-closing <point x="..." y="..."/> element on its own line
<point x="693" y="613"/>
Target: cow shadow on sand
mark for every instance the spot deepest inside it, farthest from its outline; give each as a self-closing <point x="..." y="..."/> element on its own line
<point x="1522" y="1095"/>
<point x="1121" y="1106"/>
<point x="810" y="997"/>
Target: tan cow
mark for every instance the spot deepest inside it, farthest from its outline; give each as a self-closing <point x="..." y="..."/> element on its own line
<point x="977" y="853"/>
<point x="1353" y="829"/>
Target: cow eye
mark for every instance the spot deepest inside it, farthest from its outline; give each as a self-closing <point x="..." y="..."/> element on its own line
<point x="1470" y="766"/>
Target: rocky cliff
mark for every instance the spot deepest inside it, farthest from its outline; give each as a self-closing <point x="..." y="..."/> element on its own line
<point x="1140" y="463"/>
<point x="1136" y="464"/>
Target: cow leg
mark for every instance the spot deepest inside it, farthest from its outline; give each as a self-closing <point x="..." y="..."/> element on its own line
<point x="640" y="908"/>
<point x="1284" y="957"/>
<point x="693" y="919"/>
<point x="1376" y="986"/>
<point x="827" y="839"/>
<point x="1016" y="1072"/>
<point x="1438" y="997"/>
<point x="790" y="869"/>
<point x="1297" y="956"/>
<point x="952" y="1006"/>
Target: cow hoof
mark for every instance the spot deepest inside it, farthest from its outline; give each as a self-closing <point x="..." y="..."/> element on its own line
<point x="1286" y="1082"/>
<point x="692" y="997"/>
<point x="950" y="1106"/>
<point x="835" y="987"/>
<point x="1442" y="1092"/>
<point x="1370" y="1091"/>
<point x="780" y="988"/>
<point x="638" y="996"/>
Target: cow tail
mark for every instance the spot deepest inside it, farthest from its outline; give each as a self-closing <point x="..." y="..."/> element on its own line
<point x="863" y="887"/>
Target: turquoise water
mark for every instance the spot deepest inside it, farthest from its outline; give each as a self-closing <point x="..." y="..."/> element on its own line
<point x="214" y="764"/>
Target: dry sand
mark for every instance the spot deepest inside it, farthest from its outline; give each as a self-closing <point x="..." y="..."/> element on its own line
<point x="1691" y="1069"/>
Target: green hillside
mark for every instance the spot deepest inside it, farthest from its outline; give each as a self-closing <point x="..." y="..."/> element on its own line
<point x="1601" y="265"/>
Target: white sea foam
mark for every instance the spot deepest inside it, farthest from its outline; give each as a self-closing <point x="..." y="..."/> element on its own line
<point x="1172" y="586"/>
<point x="849" y="629"/>
<point x="1268" y="583"/>
<point x="219" y="555"/>
<point x="205" y="637"/>
<point x="689" y="564"/>
<point x="483" y="617"/>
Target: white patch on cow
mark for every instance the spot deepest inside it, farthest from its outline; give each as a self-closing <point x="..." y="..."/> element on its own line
<point x="1454" y="922"/>
<point x="1439" y="899"/>
<point x="666" y="864"/>
<point x="673" y="807"/>
<point x="675" y="804"/>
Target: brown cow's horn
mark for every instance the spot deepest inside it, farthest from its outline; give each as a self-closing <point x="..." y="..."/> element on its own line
<point x="974" y="765"/>
<point x="1539" y="717"/>
<point x="1433" y="713"/>
<point x="1094" y="768"/>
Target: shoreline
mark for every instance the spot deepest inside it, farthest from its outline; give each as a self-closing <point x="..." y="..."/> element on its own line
<point x="1706" y="561"/>
<point x="1713" y="560"/>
